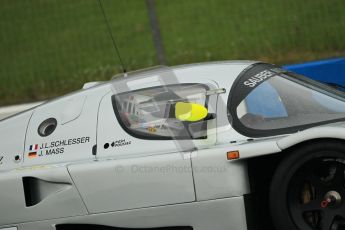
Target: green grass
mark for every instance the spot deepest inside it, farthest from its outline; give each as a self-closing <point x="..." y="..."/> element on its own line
<point x="50" y="47"/>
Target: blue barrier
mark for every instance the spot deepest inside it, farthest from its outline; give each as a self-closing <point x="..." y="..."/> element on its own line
<point x="330" y="70"/>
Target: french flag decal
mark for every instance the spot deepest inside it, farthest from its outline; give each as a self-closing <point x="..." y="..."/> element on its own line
<point x="33" y="147"/>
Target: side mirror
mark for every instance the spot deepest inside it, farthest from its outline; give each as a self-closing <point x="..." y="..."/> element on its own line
<point x="185" y="111"/>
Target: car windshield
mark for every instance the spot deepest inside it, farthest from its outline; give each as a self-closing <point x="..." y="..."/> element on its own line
<point x="273" y="99"/>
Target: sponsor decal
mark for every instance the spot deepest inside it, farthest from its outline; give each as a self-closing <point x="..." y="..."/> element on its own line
<point x="117" y="143"/>
<point x="54" y="147"/>
<point x="258" y="78"/>
<point x="120" y="143"/>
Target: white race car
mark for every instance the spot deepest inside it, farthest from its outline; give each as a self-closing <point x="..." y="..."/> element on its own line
<point x="226" y="145"/>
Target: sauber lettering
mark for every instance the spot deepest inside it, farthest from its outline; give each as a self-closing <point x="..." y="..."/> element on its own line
<point x="253" y="81"/>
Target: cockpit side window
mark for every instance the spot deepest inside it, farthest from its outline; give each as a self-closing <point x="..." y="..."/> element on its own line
<point x="149" y="113"/>
<point x="271" y="101"/>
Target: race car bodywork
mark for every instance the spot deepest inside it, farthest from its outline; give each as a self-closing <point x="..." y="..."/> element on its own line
<point x="168" y="148"/>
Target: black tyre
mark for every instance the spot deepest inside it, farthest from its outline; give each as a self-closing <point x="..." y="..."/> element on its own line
<point x="308" y="189"/>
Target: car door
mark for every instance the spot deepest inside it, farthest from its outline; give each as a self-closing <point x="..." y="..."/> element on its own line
<point x="29" y="192"/>
<point x="56" y="133"/>
<point x="143" y="153"/>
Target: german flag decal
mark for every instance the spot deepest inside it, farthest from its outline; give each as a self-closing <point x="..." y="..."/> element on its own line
<point x="32" y="155"/>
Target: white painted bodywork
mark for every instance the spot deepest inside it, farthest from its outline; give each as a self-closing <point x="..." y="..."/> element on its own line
<point x="10" y="110"/>
<point x="143" y="184"/>
<point x="133" y="183"/>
